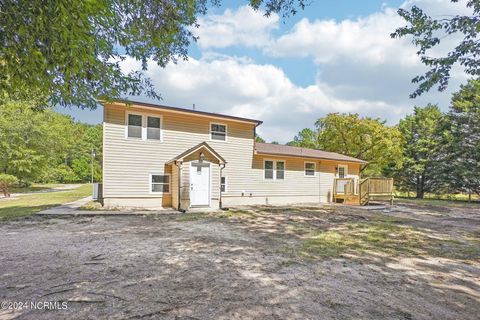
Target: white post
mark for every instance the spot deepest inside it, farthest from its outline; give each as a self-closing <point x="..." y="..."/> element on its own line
<point x="93" y="157"/>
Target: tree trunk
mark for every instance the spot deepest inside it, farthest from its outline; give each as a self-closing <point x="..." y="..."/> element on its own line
<point x="420" y="185"/>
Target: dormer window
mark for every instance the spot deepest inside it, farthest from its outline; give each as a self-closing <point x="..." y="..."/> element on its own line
<point x="218" y="132"/>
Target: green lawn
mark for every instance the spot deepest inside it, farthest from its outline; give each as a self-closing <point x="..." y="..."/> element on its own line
<point x="433" y="196"/>
<point x="35" y="187"/>
<point x="441" y="200"/>
<point x="30" y="204"/>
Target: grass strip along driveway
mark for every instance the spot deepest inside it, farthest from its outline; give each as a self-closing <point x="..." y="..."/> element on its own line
<point x="29" y="204"/>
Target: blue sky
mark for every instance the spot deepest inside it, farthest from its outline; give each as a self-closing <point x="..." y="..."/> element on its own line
<point x="335" y="56"/>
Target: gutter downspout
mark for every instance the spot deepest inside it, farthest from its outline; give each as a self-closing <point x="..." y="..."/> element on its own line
<point x="178" y="164"/>
<point x="319" y="163"/>
<point x="222" y="166"/>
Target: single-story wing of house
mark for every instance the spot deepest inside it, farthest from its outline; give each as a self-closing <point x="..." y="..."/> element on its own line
<point x="166" y="157"/>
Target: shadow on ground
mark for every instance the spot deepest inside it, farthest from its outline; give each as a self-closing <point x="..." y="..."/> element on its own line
<point x="254" y="262"/>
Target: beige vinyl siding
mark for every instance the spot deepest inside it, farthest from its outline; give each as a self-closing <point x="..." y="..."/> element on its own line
<point x="128" y="162"/>
<point x="296" y="187"/>
<point x="326" y="176"/>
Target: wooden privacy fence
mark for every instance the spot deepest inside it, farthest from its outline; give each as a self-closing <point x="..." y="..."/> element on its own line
<point x="367" y="189"/>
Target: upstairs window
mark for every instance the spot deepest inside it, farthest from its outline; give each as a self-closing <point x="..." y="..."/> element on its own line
<point x="160" y="183"/>
<point x="218" y="132"/>
<point x="274" y="170"/>
<point x="153" y="128"/>
<point x="134" y="126"/>
<point x="310" y="169"/>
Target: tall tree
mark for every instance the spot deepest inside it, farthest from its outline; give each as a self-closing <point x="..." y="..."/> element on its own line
<point x="31" y="140"/>
<point x="306" y="138"/>
<point x="80" y="159"/>
<point x="421" y="133"/>
<point x="461" y="147"/>
<point x="70" y="51"/>
<point x="429" y="31"/>
<point x="365" y="138"/>
<point x="259" y="139"/>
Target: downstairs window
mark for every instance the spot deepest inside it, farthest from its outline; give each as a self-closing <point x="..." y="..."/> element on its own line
<point x="160" y="183"/>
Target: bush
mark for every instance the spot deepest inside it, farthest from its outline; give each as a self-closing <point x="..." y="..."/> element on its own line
<point x="60" y="174"/>
<point x="6" y="182"/>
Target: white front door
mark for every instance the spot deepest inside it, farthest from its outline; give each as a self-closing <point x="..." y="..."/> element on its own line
<point x="199" y="184"/>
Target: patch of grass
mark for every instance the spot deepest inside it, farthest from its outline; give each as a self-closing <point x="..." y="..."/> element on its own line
<point x="30" y="204"/>
<point x="35" y="187"/>
<point x="235" y="213"/>
<point x="96" y="206"/>
<point x="449" y="200"/>
<point x="385" y="236"/>
<point x="439" y="202"/>
<point x="444" y="196"/>
<point x="192" y="216"/>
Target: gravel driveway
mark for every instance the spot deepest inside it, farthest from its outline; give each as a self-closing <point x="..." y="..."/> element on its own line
<point x="238" y="265"/>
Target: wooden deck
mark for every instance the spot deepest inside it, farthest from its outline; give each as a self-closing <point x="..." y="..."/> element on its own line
<point x="347" y="191"/>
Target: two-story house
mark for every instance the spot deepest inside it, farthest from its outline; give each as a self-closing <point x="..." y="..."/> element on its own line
<point x="158" y="156"/>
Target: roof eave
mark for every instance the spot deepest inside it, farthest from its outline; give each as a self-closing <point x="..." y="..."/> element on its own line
<point x="309" y="157"/>
<point x="180" y="110"/>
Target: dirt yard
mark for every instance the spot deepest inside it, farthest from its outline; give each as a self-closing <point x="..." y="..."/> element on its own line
<point x="407" y="262"/>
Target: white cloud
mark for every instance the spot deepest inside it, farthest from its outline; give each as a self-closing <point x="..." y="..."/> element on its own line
<point x="363" y="40"/>
<point x="240" y="87"/>
<point x="358" y="59"/>
<point x="360" y="69"/>
<point x="243" y="26"/>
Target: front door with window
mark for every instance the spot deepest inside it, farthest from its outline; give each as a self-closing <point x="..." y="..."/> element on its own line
<point x="199" y="184"/>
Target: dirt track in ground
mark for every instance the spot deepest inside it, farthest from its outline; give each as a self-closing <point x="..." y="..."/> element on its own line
<point x="234" y="266"/>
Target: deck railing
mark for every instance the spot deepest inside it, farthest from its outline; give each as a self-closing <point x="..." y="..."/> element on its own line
<point x="368" y="189"/>
<point x="380" y="185"/>
<point x="345" y="186"/>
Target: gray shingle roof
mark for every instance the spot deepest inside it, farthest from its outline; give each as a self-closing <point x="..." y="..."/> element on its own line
<point x="283" y="150"/>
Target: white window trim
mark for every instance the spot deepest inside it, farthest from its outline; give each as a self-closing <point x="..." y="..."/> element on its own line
<point x="275" y="169"/>
<point x="342" y="166"/>
<point x="160" y="174"/>
<point x="127" y="113"/>
<point x="210" y="131"/>
<point x="144" y="125"/>
<point x="314" y="169"/>
<point x="226" y="184"/>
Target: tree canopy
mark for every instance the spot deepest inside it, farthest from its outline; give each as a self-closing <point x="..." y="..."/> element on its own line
<point x="460" y="157"/>
<point x="428" y="32"/>
<point x="43" y="145"/>
<point x="365" y="138"/>
<point x="69" y="52"/>
<point x="421" y="131"/>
